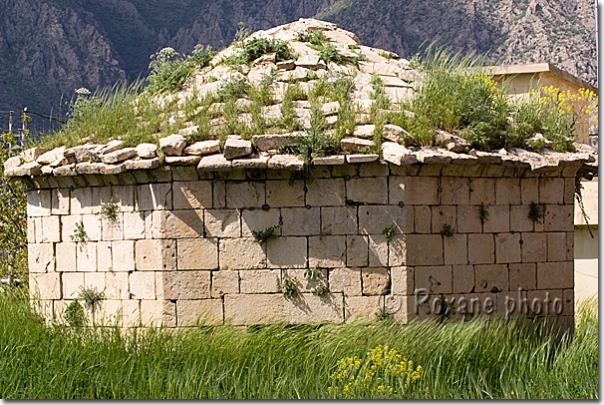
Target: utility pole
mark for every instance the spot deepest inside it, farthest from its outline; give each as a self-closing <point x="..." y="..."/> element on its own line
<point x="10" y="121"/>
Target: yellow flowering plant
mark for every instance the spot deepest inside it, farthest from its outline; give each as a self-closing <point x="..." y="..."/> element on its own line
<point x="383" y="373"/>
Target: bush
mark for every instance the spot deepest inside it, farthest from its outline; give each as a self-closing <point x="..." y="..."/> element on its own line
<point x="256" y="47"/>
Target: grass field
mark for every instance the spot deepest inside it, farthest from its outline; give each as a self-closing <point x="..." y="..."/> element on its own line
<point x="458" y="360"/>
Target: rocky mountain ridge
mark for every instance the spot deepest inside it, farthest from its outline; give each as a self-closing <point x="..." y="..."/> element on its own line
<point x="49" y="48"/>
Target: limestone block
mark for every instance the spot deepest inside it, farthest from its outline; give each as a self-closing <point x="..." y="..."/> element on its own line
<point x="134" y="225"/>
<point x="156" y="314"/>
<point x="155" y="254"/>
<point x="329" y="161"/>
<point x="434" y="280"/>
<point x="183" y="285"/>
<point x="125" y="313"/>
<point x="259" y="220"/>
<point x="499" y="219"/>
<point x="362" y="158"/>
<point x="192" y="194"/>
<point x="31" y="229"/>
<point x="463" y="279"/>
<point x="422" y="218"/>
<point x="507" y="248"/>
<point x="222" y="223"/>
<point x="245" y="194"/>
<point x="357" y="251"/>
<point x="235" y="148"/>
<point x="345" y="280"/>
<point x="117" y="285"/>
<point x="397" y="250"/>
<point x="424" y="250"/>
<point x="154" y="196"/>
<point x="558" y="218"/>
<point x="290" y="252"/>
<point x="241" y="254"/>
<point x="551" y="190"/>
<point x="92" y="226"/>
<point x="86" y="256"/>
<point x="41" y="258"/>
<point x="529" y="190"/>
<point x="468" y="218"/>
<point x="326" y="192"/>
<point x="375" y="219"/>
<point x="402" y="280"/>
<point x="570" y="246"/>
<point x="283" y="194"/>
<point x="287" y="162"/>
<point x="248" y="309"/>
<point x="197" y="254"/>
<point x="455" y="190"/>
<point x="301" y="221"/>
<point x="481" y="249"/>
<point x="16" y="161"/>
<point x="376" y="169"/>
<point x="522" y="276"/>
<point x="413" y="190"/>
<point x="173" y="145"/>
<point x="51" y="229"/>
<point x="81" y="201"/>
<point x="443" y="215"/>
<point x="60" y="201"/>
<point x="345" y="170"/>
<point x="338" y="220"/>
<point x="260" y="281"/>
<point x="308" y="308"/>
<point x="367" y="190"/>
<point x="123" y="255"/>
<point x="71" y="283"/>
<point x="142" y="285"/>
<point x="569" y="190"/>
<point x="362" y="308"/>
<point x="555" y="275"/>
<point x="507" y="191"/>
<point x="378" y="251"/>
<point x="305" y="285"/>
<point x="491" y="278"/>
<point x="99" y="196"/>
<point x="327" y="251"/>
<point x="118" y="156"/>
<point x="68" y="225"/>
<point x="397" y="154"/>
<point x="95" y="280"/>
<point x="199" y="312"/>
<point x="146" y="150"/>
<point x="38" y="203"/>
<point x="175" y="224"/>
<point x="456" y="249"/>
<point x="104" y="256"/>
<point x="37" y="229"/>
<point x="112" y="229"/>
<point x="45" y="286"/>
<point x="183" y="168"/>
<point x="65" y="256"/>
<point x="219" y="194"/>
<point x="482" y="191"/>
<point x="556" y="246"/>
<point x="519" y="220"/>
<point x="224" y="282"/>
<point x="534" y="247"/>
<point x="376" y="280"/>
<point x="203" y="148"/>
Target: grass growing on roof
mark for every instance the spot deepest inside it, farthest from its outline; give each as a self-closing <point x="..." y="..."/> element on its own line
<point x="476" y="359"/>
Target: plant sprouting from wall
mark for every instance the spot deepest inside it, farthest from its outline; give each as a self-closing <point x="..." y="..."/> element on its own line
<point x="313" y="273"/>
<point x="389" y="231"/>
<point x="265" y="234"/>
<point x="536" y="213"/>
<point x="79" y="233"/>
<point x="320" y="290"/>
<point x="91" y="298"/>
<point x="483" y="212"/>
<point x="109" y="209"/>
<point x="289" y="286"/>
<point x="74" y="314"/>
<point x="447" y="230"/>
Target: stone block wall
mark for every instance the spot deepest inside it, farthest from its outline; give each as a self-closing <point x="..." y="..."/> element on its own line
<point x="416" y="241"/>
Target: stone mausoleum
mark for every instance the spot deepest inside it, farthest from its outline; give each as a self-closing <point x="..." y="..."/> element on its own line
<point x="244" y="233"/>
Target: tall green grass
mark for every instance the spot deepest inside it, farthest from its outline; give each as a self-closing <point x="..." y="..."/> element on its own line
<point x="475" y="359"/>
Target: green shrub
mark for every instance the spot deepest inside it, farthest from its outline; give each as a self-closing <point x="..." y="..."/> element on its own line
<point x="256" y="47"/>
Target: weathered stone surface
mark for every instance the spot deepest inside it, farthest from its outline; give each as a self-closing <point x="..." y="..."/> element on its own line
<point x="118" y="155"/>
<point x="364" y="131"/>
<point x="89" y="168"/>
<point x="173" y="145"/>
<point x="142" y="164"/>
<point x="112" y="146"/>
<point x="214" y="163"/>
<point x="329" y="160"/>
<point x="32" y="154"/>
<point x="203" y="148"/>
<point x="259" y="162"/>
<point x="353" y="144"/>
<point x="308" y="61"/>
<point x="146" y="150"/>
<point x="12" y="162"/>
<point x="330" y="108"/>
<point x="286" y="162"/>
<point x="241" y="254"/>
<point x="397" y="154"/>
<point x="286" y="65"/>
<point x="234" y="148"/>
<point x="267" y="142"/>
<point x="394" y="133"/>
<point x="28" y="169"/>
<point x="367" y="158"/>
<point x="182" y="160"/>
<point x="50" y="156"/>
